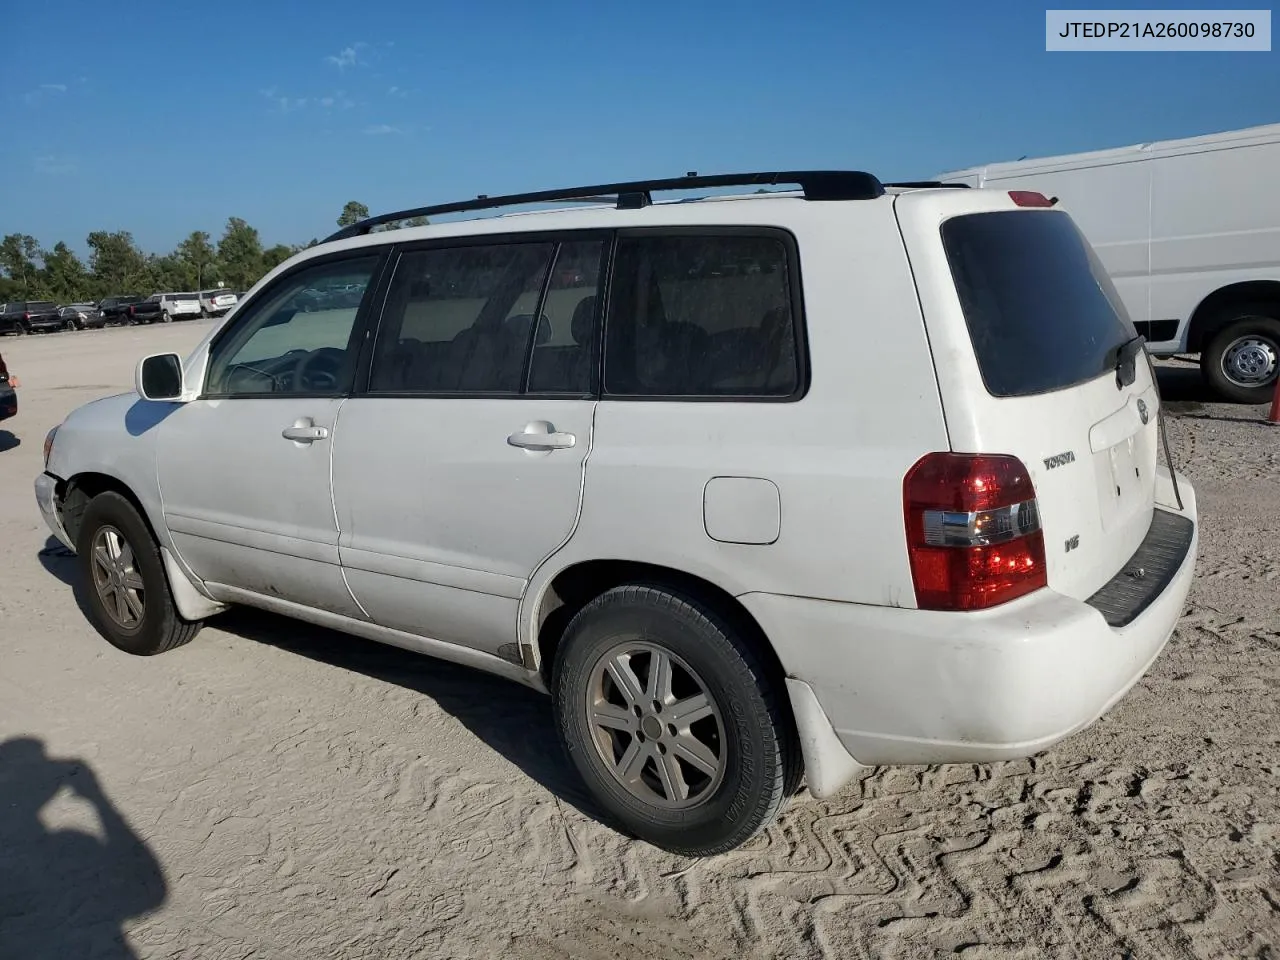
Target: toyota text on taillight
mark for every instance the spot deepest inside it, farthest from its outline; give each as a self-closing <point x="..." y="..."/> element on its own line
<point x="973" y="531"/>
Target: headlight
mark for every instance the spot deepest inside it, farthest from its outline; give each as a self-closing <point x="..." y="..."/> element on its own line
<point x="48" y="445"/>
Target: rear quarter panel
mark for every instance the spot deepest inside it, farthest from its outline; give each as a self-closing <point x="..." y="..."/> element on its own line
<point x="837" y="456"/>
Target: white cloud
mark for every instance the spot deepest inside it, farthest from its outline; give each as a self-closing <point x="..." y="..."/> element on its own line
<point x="43" y="92"/>
<point x="54" y="165"/>
<point x="283" y="103"/>
<point x="397" y="92"/>
<point x="381" y="130"/>
<point x="336" y="101"/>
<point x="347" y="56"/>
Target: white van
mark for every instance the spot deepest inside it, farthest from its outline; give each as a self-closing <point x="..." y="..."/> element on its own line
<point x="1190" y="232"/>
<point x="641" y="457"/>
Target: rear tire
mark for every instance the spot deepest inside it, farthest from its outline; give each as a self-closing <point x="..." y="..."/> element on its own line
<point x="692" y="777"/>
<point x="123" y="584"/>
<point x="1241" y="361"/>
<point x="165" y="318"/>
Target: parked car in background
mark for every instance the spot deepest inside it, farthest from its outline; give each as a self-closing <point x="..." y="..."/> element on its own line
<point x="25" y="316"/>
<point x="1198" y="267"/>
<point x="116" y="309"/>
<point x="8" y="396"/>
<point x="215" y="303"/>
<point x="178" y="306"/>
<point x="145" y="311"/>
<point x="959" y="546"/>
<point x="165" y="308"/>
<point x="77" y="316"/>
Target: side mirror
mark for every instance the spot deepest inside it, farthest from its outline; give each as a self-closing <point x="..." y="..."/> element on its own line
<point x="159" y="377"/>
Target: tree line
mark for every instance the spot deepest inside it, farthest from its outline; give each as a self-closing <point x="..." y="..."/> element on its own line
<point x="117" y="265"/>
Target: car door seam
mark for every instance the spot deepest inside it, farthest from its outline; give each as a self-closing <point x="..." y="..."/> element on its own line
<point x="333" y="502"/>
<point x="577" y="519"/>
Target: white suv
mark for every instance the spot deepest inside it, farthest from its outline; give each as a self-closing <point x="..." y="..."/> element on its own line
<point x="179" y="306"/>
<point x="756" y="488"/>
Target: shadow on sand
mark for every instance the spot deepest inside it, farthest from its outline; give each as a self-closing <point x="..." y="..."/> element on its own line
<point x="66" y="892"/>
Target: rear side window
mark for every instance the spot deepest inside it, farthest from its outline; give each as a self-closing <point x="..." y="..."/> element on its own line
<point x="694" y="316"/>
<point x="1042" y="313"/>
<point x="458" y="320"/>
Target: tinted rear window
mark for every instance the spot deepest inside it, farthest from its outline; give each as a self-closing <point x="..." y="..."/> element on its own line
<point x="1042" y="312"/>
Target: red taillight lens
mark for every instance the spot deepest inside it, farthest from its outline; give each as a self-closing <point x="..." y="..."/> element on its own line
<point x="973" y="531"/>
<point x="1029" y="198"/>
<point x="26" y="316"/>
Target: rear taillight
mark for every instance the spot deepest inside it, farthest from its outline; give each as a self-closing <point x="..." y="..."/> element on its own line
<point x="973" y="531"/>
<point x="26" y="316"/>
<point x="1029" y="198"/>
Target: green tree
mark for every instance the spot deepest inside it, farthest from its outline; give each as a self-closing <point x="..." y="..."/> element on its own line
<point x="117" y="265"/>
<point x="18" y="253"/>
<point x="240" y="255"/>
<point x="272" y="257"/>
<point x="63" y="277"/>
<point x="353" y="212"/>
<point x="199" y="258"/>
<point x="168" y="274"/>
<point x="400" y="224"/>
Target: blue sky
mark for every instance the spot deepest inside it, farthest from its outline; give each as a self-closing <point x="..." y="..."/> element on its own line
<point x="161" y="118"/>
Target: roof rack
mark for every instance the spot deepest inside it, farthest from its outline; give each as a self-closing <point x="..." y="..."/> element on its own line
<point x="816" y="184"/>
<point x="924" y="184"/>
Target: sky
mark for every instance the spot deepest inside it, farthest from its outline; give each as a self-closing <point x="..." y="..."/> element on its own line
<point x="163" y="118"/>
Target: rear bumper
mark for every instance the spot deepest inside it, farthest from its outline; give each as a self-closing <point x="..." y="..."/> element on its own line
<point x="47" y="501"/>
<point x="917" y="686"/>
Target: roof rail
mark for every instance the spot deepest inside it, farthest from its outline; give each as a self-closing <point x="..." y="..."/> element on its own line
<point x="924" y="184"/>
<point x="816" y="184"/>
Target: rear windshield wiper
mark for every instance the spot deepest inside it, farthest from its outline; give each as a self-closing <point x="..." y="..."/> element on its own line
<point x="1125" y="360"/>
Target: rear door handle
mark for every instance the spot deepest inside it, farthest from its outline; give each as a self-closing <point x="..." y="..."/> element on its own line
<point x="541" y="435"/>
<point x="304" y="431"/>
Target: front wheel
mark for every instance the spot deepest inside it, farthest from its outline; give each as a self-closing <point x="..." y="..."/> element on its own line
<point x="673" y="721"/>
<point x="123" y="581"/>
<point x="1242" y="360"/>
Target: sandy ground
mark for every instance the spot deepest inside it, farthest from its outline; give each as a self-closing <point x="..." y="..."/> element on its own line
<point x="277" y="791"/>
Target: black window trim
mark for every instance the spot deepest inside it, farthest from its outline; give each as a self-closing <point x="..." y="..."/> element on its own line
<point x="796" y="292"/>
<point x="359" y="328"/>
<point x="558" y="238"/>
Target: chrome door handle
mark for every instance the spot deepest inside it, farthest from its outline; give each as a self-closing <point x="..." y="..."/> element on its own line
<point x="541" y="435"/>
<point x="304" y="431"/>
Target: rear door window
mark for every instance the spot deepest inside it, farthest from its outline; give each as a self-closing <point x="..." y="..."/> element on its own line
<point x="703" y="316"/>
<point x="1042" y="312"/>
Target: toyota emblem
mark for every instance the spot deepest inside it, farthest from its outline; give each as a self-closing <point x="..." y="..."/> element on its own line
<point x="1142" y="411"/>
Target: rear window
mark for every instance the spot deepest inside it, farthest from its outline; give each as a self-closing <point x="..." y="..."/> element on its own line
<point x="1042" y="313"/>
<point x="185" y="296"/>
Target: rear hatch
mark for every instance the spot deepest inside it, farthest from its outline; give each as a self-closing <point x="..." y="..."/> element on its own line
<point x="1036" y="357"/>
<point x="185" y="303"/>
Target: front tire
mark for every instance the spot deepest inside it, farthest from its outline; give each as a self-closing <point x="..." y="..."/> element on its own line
<point x="672" y="720"/>
<point x="123" y="581"/>
<point x="1242" y="360"/>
